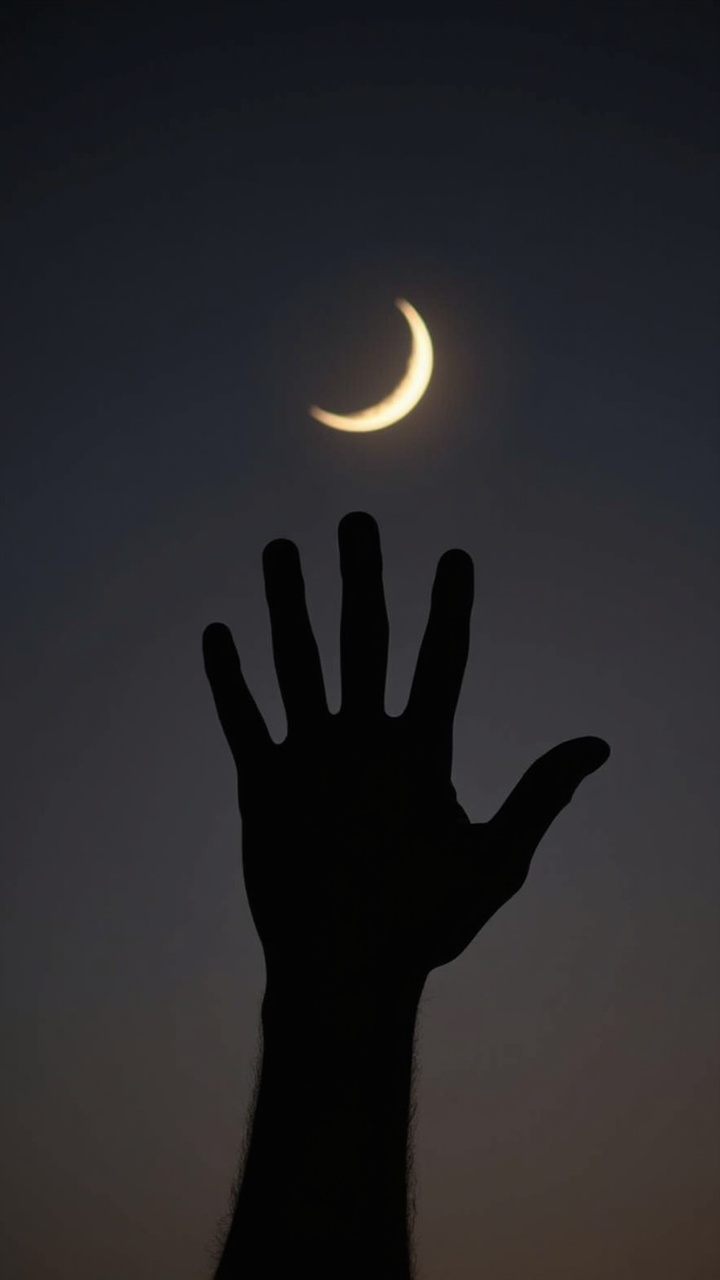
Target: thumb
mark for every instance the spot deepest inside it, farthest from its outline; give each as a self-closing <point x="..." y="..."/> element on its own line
<point x="541" y="794"/>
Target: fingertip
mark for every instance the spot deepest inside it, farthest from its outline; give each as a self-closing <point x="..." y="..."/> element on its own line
<point x="215" y="635"/>
<point x="593" y="751"/>
<point x="218" y="649"/>
<point x="280" y="551"/>
<point x="358" y="529"/>
<point x="360" y="521"/>
<point x="456" y="571"/>
<point x="459" y="560"/>
<point x="359" y="545"/>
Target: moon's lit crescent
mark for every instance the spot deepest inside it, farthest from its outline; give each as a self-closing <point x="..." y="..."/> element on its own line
<point x="406" y="394"/>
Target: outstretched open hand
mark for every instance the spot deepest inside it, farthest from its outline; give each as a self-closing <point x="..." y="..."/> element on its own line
<point x="357" y="855"/>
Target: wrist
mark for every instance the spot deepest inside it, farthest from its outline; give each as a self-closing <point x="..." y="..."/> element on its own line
<point x="333" y="999"/>
<point x="326" y="1173"/>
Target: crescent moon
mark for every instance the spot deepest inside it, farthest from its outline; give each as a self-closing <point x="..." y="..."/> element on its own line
<point x="406" y="394"/>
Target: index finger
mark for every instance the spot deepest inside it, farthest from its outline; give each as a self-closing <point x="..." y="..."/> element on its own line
<point x="444" y="650"/>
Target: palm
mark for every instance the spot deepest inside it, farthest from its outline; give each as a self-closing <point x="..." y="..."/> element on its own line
<point x="355" y="849"/>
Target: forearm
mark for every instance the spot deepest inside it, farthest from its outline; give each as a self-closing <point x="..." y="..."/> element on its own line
<point x="325" y="1182"/>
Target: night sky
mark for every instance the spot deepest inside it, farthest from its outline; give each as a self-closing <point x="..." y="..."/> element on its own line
<point x="209" y="209"/>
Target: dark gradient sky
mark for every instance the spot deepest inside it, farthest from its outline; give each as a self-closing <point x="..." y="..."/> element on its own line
<point x="209" y="209"/>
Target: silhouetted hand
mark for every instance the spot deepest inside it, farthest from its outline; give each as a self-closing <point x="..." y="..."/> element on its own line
<point x="358" y="858"/>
